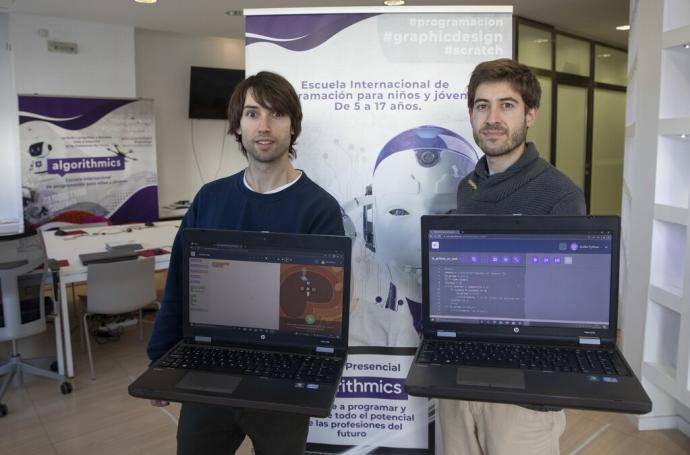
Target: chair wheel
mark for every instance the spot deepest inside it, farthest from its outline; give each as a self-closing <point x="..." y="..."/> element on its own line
<point x="54" y="366"/>
<point x="3" y="410"/>
<point x="66" y="387"/>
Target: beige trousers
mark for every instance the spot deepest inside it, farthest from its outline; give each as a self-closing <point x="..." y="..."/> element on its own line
<point x="477" y="428"/>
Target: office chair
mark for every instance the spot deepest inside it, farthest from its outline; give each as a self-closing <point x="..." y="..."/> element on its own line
<point x="117" y="288"/>
<point x="23" y="314"/>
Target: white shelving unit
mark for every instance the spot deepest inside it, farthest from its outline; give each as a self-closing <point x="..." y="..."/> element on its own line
<point x="655" y="283"/>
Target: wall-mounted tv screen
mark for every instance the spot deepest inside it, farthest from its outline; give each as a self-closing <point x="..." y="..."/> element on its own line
<point x="210" y="90"/>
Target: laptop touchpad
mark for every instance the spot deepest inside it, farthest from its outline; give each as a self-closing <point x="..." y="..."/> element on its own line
<point x="490" y="377"/>
<point x="209" y="382"/>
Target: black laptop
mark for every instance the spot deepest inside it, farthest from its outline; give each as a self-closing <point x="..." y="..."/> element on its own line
<point x="523" y="310"/>
<point x="103" y="257"/>
<point x="265" y="323"/>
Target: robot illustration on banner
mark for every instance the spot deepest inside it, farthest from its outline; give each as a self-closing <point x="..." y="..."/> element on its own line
<point x="37" y="173"/>
<point x="38" y="152"/>
<point x="416" y="173"/>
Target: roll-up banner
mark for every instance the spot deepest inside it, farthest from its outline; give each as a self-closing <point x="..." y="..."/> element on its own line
<point x="386" y="131"/>
<point x="87" y="160"/>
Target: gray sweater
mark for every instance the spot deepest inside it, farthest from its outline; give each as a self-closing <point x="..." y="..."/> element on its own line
<point x="531" y="186"/>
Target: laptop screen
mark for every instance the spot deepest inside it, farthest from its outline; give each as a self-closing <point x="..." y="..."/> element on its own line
<point x="509" y="278"/>
<point x="266" y="290"/>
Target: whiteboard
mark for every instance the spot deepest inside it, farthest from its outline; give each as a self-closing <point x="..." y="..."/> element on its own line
<point x="11" y="217"/>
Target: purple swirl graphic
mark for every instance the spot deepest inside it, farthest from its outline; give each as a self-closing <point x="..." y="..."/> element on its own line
<point x="67" y="113"/>
<point x="142" y="206"/>
<point x="298" y="32"/>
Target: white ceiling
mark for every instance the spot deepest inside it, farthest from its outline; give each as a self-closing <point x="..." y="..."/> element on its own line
<point x="595" y="19"/>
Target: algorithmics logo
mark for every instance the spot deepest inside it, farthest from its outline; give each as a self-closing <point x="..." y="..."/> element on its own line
<point x="64" y="166"/>
<point x="372" y="387"/>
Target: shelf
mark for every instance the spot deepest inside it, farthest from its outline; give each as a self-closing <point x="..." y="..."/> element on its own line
<point x="674" y="93"/>
<point x="657" y="186"/>
<point x="676" y="14"/>
<point x="672" y="170"/>
<point x="663" y="376"/>
<point x="671" y="214"/>
<point x="675" y="67"/>
<point x="674" y="127"/>
<point x="662" y="333"/>
<point x="678" y="37"/>
<point x="671" y="298"/>
<point x="685" y="398"/>
<point x="669" y="242"/>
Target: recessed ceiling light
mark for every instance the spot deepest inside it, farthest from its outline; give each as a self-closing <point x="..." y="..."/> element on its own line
<point x="687" y="46"/>
<point x="147" y="2"/>
<point x="623" y="27"/>
<point x="683" y="136"/>
<point x="394" y="2"/>
<point x="234" y="12"/>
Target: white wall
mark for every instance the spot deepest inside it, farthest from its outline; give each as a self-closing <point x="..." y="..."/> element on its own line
<point x="103" y="67"/>
<point x="163" y="63"/>
<point x="115" y="61"/>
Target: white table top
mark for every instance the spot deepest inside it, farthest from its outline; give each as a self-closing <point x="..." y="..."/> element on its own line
<point x="69" y="247"/>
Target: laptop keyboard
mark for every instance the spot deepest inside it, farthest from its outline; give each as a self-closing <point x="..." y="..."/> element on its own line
<point x="254" y="363"/>
<point x="525" y="357"/>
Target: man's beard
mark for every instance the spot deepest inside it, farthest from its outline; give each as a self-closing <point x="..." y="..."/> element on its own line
<point x="515" y="139"/>
<point x="275" y="155"/>
<point x="266" y="158"/>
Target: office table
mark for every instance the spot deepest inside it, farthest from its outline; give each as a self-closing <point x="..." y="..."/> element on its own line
<point x="69" y="247"/>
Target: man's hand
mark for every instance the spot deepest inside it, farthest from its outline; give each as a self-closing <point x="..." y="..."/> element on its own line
<point x="159" y="403"/>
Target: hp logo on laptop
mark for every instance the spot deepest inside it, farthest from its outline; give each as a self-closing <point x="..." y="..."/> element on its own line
<point x="516" y="329"/>
<point x="263" y="337"/>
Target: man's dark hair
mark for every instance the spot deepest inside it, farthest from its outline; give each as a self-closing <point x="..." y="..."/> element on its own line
<point x="271" y="91"/>
<point x="519" y="76"/>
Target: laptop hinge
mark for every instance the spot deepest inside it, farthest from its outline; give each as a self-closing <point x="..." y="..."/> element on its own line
<point x="324" y="349"/>
<point x="446" y="334"/>
<point x="200" y="339"/>
<point x="590" y="340"/>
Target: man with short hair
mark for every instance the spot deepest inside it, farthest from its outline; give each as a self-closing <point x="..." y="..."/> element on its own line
<point x="503" y="99"/>
<point x="265" y="116"/>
